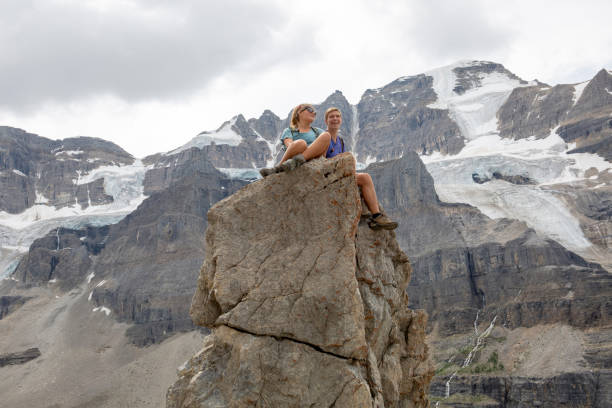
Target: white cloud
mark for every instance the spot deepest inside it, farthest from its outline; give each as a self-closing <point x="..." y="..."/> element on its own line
<point x="137" y="50"/>
<point x="149" y="75"/>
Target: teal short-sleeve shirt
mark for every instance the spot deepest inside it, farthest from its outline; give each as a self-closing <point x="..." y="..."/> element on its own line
<point x="308" y="137"/>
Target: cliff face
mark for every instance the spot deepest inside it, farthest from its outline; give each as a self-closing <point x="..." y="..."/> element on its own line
<point x="505" y="305"/>
<point x="307" y="304"/>
<point x="35" y="169"/>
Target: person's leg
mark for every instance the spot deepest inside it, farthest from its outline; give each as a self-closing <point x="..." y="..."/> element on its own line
<point x="297" y="153"/>
<point x="377" y="220"/>
<point x="317" y="148"/>
<point x="296" y="147"/>
<point x="364" y="180"/>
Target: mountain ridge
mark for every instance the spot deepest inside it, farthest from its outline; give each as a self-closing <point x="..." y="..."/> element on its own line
<point x="482" y="254"/>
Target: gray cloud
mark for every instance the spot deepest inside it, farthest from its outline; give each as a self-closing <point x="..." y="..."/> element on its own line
<point x="67" y="51"/>
<point x="454" y="30"/>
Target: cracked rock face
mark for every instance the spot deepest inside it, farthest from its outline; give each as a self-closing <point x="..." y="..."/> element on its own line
<point x="306" y="303"/>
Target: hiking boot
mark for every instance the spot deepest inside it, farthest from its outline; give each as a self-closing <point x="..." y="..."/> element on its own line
<point x="382" y="222"/>
<point x="299" y="159"/>
<point x="292" y="164"/>
<point x="265" y="172"/>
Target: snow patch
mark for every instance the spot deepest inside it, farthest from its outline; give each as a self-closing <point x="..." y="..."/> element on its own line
<point x="248" y="174"/>
<point x="578" y="89"/>
<point x="90" y="277"/>
<point x="272" y="147"/>
<point x="224" y="135"/>
<point x="102" y="309"/>
<point x="369" y="160"/>
<point x="475" y="111"/>
<point x="69" y="152"/>
<point x="9" y="269"/>
<point x="40" y="199"/>
<point x="19" y="173"/>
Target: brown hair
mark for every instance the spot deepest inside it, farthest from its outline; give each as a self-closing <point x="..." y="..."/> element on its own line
<point x="330" y="110"/>
<point x="295" y="119"/>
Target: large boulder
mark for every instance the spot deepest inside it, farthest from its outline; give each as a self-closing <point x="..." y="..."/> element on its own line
<point x="306" y="304"/>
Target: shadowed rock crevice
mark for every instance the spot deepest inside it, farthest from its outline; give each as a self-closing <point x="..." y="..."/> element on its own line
<point x="306" y="303"/>
<point x="9" y="304"/>
<point x="281" y="338"/>
<point x="20" y="357"/>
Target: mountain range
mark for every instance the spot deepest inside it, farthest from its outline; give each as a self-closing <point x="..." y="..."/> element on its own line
<point x="503" y="191"/>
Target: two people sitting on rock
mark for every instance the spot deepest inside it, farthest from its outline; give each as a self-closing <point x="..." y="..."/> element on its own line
<point x="304" y="142"/>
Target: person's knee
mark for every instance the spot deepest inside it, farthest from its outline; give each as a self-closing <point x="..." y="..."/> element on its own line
<point x="364" y="179"/>
<point x="298" y="145"/>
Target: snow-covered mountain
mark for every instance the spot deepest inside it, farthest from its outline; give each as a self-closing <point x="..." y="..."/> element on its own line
<point x="83" y="220"/>
<point x="475" y="119"/>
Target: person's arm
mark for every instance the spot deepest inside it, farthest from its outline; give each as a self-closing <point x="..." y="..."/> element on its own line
<point x="286" y="138"/>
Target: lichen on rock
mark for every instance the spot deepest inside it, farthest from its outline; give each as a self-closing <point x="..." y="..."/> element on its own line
<point x="307" y="304"/>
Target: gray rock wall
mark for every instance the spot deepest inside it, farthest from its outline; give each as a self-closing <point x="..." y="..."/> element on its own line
<point x="63" y="256"/>
<point x="395" y="120"/>
<point x="570" y="390"/>
<point x="151" y="257"/>
<point x="534" y="111"/>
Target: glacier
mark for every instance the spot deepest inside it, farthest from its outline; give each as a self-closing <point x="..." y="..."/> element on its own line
<point x="18" y="231"/>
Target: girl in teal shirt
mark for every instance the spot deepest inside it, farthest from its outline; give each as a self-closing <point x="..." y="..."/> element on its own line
<point x="302" y="141"/>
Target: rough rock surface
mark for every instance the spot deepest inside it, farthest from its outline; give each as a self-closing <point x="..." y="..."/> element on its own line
<point x="306" y="303"/>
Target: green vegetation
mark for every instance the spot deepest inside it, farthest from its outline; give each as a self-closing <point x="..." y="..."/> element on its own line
<point x="491" y="365"/>
<point x="446" y="367"/>
<point x="464" y="351"/>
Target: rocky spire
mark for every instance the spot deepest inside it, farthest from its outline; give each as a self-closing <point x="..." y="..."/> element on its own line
<point x="306" y="304"/>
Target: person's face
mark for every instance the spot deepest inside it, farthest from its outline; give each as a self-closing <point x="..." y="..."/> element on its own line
<point x="307" y="114"/>
<point x="334" y="120"/>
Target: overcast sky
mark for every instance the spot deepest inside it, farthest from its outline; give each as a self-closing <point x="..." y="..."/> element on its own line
<point x="151" y="74"/>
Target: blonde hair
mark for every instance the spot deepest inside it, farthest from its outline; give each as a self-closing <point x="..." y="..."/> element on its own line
<point x="330" y="110"/>
<point x="295" y="115"/>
